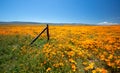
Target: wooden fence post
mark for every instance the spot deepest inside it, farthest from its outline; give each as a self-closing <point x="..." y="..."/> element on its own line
<point x="48" y="36"/>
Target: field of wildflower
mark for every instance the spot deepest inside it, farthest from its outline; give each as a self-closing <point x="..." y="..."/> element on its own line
<point x="71" y="49"/>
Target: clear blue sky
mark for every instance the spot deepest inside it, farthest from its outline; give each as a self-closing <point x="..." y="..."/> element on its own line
<point x="63" y="11"/>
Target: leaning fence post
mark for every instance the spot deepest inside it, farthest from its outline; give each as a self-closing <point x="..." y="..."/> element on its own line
<point x="46" y="28"/>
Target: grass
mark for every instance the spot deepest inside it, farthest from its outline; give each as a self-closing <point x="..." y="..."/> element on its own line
<point x="10" y="51"/>
<point x="69" y="50"/>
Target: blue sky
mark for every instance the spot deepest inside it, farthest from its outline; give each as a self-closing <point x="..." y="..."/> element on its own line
<point x="61" y="11"/>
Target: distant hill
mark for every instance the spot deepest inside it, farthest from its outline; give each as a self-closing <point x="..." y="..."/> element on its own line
<point x="20" y="22"/>
<point x="38" y="23"/>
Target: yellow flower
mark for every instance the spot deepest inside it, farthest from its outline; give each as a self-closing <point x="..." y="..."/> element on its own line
<point x="73" y="67"/>
<point x="58" y="64"/>
<point x="86" y="68"/>
<point x="48" y="69"/>
<point x="72" y="61"/>
<point x="110" y="57"/>
<point x="71" y="53"/>
<point x="84" y="63"/>
<point x="61" y="64"/>
<point x="102" y="57"/>
<point x="104" y="71"/>
<point x="91" y="65"/>
<point x="94" y="71"/>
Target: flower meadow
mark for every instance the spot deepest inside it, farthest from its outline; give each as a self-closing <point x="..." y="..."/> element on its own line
<point x="71" y="49"/>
